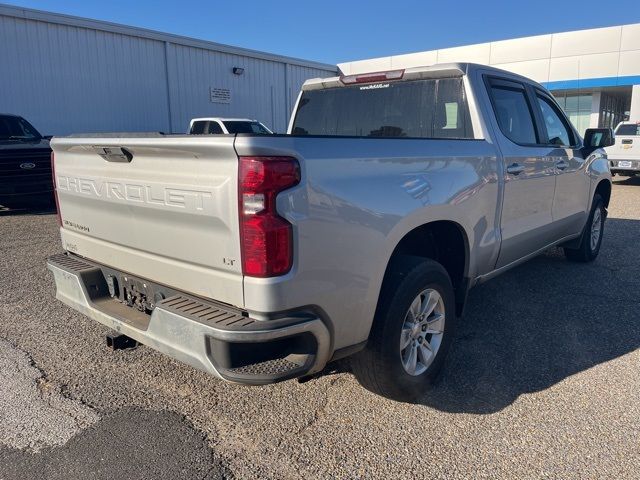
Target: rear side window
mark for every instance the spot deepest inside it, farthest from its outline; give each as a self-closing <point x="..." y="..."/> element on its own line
<point x="628" y="129"/>
<point x="204" y="127"/>
<point x="513" y="113"/>
<point x="234" y="126"/>
<point x="197" y="128"/>
<point x="408" y="109"/>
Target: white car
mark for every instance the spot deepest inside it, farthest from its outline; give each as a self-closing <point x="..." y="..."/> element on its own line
<point x="624" y="155"/>
<point x="216" y="125"/>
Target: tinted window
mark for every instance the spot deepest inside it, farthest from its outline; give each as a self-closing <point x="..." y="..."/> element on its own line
<point x="214" y="128"/>
<point x="16" y="128"/>
<point x="204" y="127"/>
<point x="414" y="109"/>
<point x="513" y="114"/>
<point x="197" y="128"/>
<point x="628" y="129"/>
<point x="452" y="115"/>
<point x="558" y="131"/>
<point x="245" y="127"/>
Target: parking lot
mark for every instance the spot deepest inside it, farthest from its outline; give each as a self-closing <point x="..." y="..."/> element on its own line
<point x="543" y="381"/>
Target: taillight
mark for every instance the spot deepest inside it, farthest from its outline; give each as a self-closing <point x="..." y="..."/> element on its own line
<point x="266" y="239"/>
<point x="55" y="189"/>
<point x="372" y="77"/>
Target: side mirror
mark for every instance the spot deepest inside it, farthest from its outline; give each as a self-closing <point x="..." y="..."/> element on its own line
<point x="598" y="138"/>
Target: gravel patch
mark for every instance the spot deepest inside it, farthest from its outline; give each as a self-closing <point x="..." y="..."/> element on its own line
<point x="542" y="380"/>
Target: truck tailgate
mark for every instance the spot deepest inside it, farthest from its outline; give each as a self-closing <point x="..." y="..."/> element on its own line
<point x="164" y="209"/>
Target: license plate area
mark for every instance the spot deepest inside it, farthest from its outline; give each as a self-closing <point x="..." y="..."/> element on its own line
<point x="624" y="164"/>
<point x="135" y="293"/>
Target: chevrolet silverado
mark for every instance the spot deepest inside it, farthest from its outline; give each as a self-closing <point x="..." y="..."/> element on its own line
<point x="359" y="233"/>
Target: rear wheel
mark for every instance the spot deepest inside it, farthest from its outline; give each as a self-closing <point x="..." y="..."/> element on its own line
<point x="591" y="241"/>
<point x="411" y="332"/>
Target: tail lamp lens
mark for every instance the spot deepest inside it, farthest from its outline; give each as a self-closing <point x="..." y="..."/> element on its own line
<point x="266" y="238"/>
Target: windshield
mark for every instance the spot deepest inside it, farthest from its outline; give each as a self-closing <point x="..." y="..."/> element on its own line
<point x="628" y="129"/>
<point x="235" y="126"/>
<point x="16" y="128"/>
<point x="411" y="109"/>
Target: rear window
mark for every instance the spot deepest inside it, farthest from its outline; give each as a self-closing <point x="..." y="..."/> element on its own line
<point x="16" y="128"/>
<point x="408" y="109"/>
<point x="628" y="129"/>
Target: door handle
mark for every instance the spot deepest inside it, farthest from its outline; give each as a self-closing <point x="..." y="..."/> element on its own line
<point x="515" y="169"/>
<point x="561" y="165"/>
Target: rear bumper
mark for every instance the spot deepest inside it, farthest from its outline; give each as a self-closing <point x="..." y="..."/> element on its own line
<point x="216" y="338"/>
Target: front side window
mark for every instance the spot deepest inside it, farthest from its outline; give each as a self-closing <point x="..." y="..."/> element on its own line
<point x="434" y="108"/>
<point x="558" y="132"/>
<point x="513" y="113"/>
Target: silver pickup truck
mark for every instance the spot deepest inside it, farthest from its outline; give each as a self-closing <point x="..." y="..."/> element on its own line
<point x="262" y="258"/>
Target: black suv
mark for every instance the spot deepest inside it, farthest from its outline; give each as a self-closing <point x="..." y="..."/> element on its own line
<point x="25" y="164"/>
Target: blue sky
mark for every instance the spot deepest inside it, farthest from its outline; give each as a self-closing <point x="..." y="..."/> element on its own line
<point x="336" y="31"/>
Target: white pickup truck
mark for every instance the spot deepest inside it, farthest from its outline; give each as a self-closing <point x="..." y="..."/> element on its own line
<point x="624" y="154"/>
<point x="262" y="258"/>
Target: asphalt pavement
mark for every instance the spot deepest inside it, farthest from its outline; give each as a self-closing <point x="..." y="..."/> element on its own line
<point x="542" y="381"/>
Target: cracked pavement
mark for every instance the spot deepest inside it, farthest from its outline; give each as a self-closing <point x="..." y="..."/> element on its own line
<point x="542" y="381"/>
<point x="33" y="414"/>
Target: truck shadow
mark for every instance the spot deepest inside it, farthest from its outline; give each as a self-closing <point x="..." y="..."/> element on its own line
<point x="541" y="323"/>
<point x="627" y="180"/>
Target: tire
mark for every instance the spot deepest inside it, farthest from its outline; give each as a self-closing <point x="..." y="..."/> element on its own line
<point x="383" y="366"/>
<point x="589" y="247"/>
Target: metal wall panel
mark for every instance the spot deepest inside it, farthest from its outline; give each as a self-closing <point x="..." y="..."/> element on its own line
<point x="71" y="75"/>
<point x="66" y="79"/>
<point x="257" y="93"/>
<point x="265" y="91"/>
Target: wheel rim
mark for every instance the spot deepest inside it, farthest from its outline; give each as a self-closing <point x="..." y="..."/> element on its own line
<point x="422" y="332"/>
<point x="596" y="229"/>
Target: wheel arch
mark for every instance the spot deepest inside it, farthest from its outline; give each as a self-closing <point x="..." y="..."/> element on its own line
<point x="604" y="190"/>
<point x="443" y="241"/>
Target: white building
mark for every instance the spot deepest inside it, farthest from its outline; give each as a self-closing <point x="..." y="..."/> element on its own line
<point x="73" y="75"/>
<point x="594" y="74"/>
